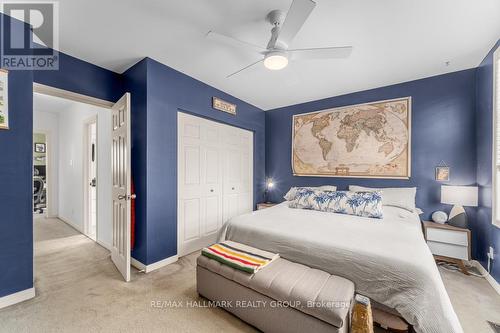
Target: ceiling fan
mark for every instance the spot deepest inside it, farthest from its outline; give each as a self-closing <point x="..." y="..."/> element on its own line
<point x="277" y="53"/>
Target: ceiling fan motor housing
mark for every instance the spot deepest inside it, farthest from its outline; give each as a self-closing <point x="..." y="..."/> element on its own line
<point x="276" y="17"/>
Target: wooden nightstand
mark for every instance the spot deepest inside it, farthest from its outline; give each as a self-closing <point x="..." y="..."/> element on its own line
<point x="264" y="205"/>
<point x="448" y="243"/>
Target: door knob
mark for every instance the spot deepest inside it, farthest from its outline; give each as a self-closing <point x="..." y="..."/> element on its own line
<point x="211" y="190"/>
<point x="232" y="188"/>
<point x="126" y="197"/>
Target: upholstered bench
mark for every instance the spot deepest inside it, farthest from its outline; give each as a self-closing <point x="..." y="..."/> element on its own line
<point x="282" y="297"/>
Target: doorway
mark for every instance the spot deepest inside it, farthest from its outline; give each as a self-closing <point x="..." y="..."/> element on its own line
<point x="40" y="180"/>
<point x="88" y="169"/>
<point x="90" y="177"/>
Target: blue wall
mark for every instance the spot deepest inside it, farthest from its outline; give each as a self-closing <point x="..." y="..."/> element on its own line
<point x="82" y="77"/>
<point x="168" y="92"/>
<point x="16" y="187"/>
<point x="485" y="233"/>
<point x="443" y="123"/>
<point x="135" y="82"/>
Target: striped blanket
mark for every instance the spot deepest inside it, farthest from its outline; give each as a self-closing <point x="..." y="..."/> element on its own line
<point x="239" y="256"/>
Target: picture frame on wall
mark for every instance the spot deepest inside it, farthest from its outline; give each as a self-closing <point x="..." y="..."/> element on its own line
<point x="4" y="99"/>
<point x="442" y="173"/>
<point x="39" y="147"/>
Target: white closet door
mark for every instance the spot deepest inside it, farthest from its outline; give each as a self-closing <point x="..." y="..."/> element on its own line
<point x="199" y="183"/>
<point x="237" y="171"/>
<point x="215" y="179"/>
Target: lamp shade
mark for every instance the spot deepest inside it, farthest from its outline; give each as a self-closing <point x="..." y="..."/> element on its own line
<point x="459" y="195"/>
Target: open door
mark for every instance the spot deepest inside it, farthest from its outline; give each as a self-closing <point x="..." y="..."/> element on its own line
<point x="120" y="168"/>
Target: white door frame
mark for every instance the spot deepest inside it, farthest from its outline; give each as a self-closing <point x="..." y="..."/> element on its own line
<point x="86" y="193"/>
<point x="56" y="92"/>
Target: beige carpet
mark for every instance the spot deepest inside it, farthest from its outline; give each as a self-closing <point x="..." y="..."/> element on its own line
<point x="79" y="290"/>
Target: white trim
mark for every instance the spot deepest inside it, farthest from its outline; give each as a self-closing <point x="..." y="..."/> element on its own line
<point x="104" y="245"/>
<point x="496" y="59"/>
<point x="18" y="297"/>
<point x="154" y="266"/>
<point x="86" y="193"/>
<point x="56" y="92"/>
<point x="491" y="280"/>
<point x="72" y="225"/>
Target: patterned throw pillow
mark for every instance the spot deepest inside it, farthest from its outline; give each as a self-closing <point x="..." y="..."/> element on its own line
<point x="366" y="204"/>
<point x="290" y="195"/>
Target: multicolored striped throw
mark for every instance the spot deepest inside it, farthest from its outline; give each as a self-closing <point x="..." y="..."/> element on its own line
<point x="239" y="256"/>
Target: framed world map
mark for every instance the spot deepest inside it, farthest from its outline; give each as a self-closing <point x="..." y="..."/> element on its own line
<point x="371" y="140"/>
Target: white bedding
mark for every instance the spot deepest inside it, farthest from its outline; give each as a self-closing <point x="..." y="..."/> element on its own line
<point x="387" y="259"/>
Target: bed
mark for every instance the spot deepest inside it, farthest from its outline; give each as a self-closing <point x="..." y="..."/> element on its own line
<point x="387" y="259"/>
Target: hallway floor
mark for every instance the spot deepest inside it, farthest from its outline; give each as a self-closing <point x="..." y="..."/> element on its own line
<point x="79" y="290"/>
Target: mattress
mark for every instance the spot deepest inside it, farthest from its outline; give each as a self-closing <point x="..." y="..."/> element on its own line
<point x="387" y="259"/>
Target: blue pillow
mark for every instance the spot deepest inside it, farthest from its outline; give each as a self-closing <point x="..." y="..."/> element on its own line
<point x="365" y="204"/>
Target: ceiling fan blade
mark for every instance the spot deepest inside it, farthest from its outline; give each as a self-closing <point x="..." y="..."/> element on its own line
<point x="247" y="67"/>
<point x="234" y="42"/>
<point x="297" y="14"/>
<point x="321" y="53"/>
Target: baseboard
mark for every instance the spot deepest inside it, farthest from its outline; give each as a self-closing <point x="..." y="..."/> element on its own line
<point x="154" y="266"/>
<point x="18" y="297"/>
<point x="104" y="245"/>
<point x="71" y="224"/>
<point x="491" y="280"/>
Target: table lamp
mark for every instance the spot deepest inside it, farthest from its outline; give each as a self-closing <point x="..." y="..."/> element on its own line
<point x="459" y="196"/>
<point x="269" y="186"/>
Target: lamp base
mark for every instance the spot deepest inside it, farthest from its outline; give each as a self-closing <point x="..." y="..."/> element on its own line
<point x="458" y="217"/>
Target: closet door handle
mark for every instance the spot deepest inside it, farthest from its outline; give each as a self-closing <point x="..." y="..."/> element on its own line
<point x="211" y="190"/>
<point x="232" y="188"/>
<point x="126" y="197"/>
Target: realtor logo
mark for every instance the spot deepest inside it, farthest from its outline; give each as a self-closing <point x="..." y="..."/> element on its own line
<point x="18" y="50"/>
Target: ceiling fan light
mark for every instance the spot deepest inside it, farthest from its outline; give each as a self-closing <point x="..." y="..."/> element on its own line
<point x="276" y="61"/>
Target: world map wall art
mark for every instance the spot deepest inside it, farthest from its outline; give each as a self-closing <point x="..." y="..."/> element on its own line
<point x="371" y="140"/>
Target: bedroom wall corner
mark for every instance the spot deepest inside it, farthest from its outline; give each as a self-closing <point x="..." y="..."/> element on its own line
<point x="164" y="92"/>
<point x="485" y="234"/>
<point x="443" y="120"/>
<point x="135" y="82"/>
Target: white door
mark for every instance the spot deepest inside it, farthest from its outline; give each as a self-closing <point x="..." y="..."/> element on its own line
<point x="121" y="196"/>
<point x="90" y="156"/>
<point x="238" y="172"/>
<point x="202" y="155"/>
<point x="199" y="183"/>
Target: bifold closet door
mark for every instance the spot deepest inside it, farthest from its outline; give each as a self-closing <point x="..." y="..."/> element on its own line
<point x="237" y="172"/>
<point x="215" y="179"/>
<point x="199" y="183"/>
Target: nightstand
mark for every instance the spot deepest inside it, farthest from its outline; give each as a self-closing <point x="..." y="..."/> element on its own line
<point x="264" y="205"/>
<point x="448" y="243"/>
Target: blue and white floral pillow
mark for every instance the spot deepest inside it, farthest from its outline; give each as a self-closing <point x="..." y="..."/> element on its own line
<point x="366" y="204"/>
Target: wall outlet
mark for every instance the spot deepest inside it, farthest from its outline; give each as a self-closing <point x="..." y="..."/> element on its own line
<point x="491" y="253"/>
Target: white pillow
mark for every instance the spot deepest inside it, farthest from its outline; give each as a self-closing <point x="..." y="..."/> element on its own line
<point x="290" y="195"/>
<point x="403" y="197"/>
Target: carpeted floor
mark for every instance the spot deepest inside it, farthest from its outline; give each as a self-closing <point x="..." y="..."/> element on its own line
<point x="79" y="290"/>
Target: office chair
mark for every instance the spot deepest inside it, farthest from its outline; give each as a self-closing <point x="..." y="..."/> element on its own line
<point x="39" y="195"/>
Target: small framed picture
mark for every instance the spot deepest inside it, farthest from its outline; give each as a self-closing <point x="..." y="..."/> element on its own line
<point x="442" y="174"/>
<point x="4" y="102"/>
<point x="39" y="147"/>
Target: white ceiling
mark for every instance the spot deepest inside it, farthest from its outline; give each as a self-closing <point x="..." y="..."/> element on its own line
<point x="394" y="41"/>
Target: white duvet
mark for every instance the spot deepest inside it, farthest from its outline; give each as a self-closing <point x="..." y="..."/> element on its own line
<point x="387" y="259"/>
